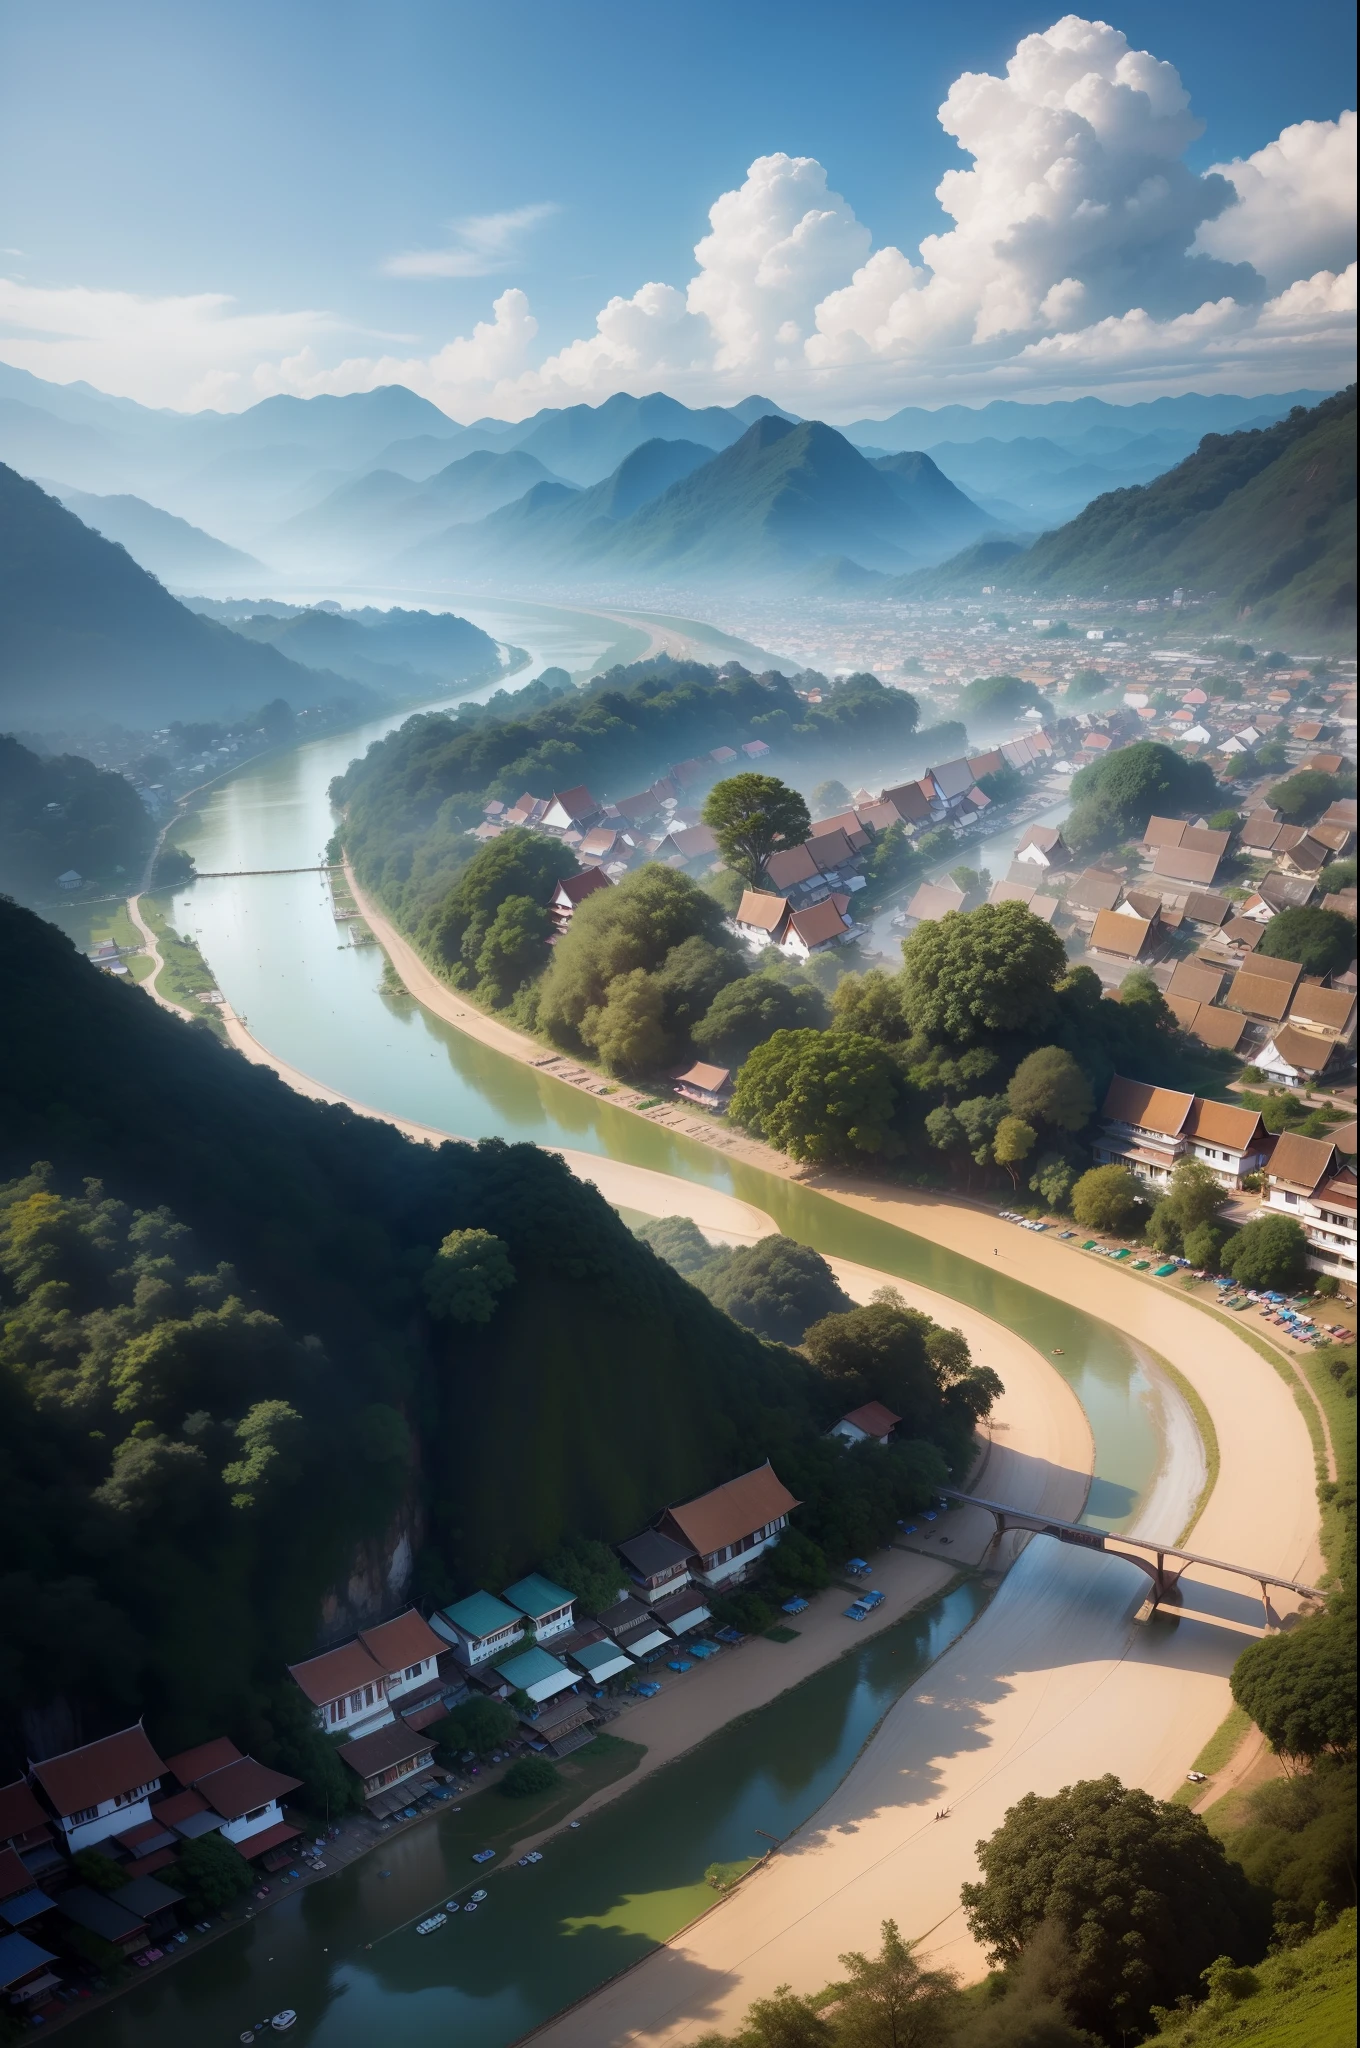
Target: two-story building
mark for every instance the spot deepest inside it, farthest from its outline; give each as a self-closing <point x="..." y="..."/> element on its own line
<point x="353" y="1687"/>
<point x="726" y="1530"/>
<point x="545" y="1606"/>
<point x="100" y="1789"/>
<point x="480" y="1628"/>
<point x="1150" y="1130"/>
<point x="1307" y="1180"/>
<point x="243" y="1797"/>
<point x="659" y="1568"/>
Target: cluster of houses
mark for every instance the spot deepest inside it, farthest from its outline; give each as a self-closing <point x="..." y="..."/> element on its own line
<point x="657" y="823"/>
<point x="379" y="1694"/>
<point x="1151" y="1130"/>
<point x="138" y="1809"/>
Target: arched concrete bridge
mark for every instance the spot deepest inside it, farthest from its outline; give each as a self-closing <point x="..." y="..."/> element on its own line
<point x="1149" y="1555"/>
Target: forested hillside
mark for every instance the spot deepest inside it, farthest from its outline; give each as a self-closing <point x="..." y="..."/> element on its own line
<point x="411" y="799"/>
<point x="61" y="813"/>
<point x="239" y="1363"/>
<point x="88" y="637"/>
<point x="1263" y="522"/>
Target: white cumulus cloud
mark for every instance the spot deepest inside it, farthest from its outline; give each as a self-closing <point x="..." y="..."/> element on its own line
<point x="1083" y="251"/>
<point x="1295" y="210"/>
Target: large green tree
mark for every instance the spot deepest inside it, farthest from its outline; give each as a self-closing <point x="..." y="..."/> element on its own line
<point x="820" y="1096"/>
<point x="1143" y="1892"/>
<point x="467" y="1276"/>
<point x="1049" y="1087"/>
<point x="1116" y="796"/>
<point x="747" y="1012"/>
<point x="1321" y="941"/>
<point x="973" y="973"/>
<point x="519" y="864"/>
<point x="1299" y="1688"/>
<point x="751" y="815"/>
<point x="1302" y="797"/>
<point x="1107" y="1198"/>
<point x="774" y="1287"/>
<point x="891" y="2000"/>
<point x="992" y="701"/>
<point x="636" y="925"/>
<point x="885" y="1351"/>
<point x="1268" y="1252"/>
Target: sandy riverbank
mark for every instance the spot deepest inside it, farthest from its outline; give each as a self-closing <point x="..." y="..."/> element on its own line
<point x="1055" y="1682"/>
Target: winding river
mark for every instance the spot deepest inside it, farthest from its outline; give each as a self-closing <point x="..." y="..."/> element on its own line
<point x="632" y="1875"/>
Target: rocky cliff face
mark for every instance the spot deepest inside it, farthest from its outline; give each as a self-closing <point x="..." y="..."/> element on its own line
<point x="378" y="1582"/>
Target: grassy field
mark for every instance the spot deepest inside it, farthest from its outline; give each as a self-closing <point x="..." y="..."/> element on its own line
<point x="1217" y="1751"/>
<point x="186" y="976"/>
<point x="1305" y="1999"/>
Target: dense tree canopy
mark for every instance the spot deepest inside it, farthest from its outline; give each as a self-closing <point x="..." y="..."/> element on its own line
<point x="1299" y="1688"/>
<point x="62" y="812"/>
<point x="490" y="930"/>
<point x="1116" y="796"/>
<point x="1304" y="796"/>
<point x="747" y="1012"/>
<point x="750" y="816"/>
<point x="774" y="1287"/>
<point x="1107" y="1198"/>
<point x="1048" y="1087"/>
<point x="1322" y="941"/>
<point x="1269" y="1252"/>
<point x="969" y="973"/>
<point x="1144" y="1894"/>
<point x="992" y="701"/>
<point x="819" y="1095"/>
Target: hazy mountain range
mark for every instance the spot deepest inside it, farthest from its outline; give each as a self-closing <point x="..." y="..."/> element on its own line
<point x="1262" y="522"/>
<point x="89" y="639"/>
<point x="383" y="487"/>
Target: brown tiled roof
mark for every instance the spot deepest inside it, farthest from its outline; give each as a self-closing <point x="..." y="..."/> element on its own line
<point x="910" y="800"/>
<point x="1152" y="1109"/>
<point x="578" y="803"/>
<point x="1094" y="889"/>
<point x="1186" y="864"/>
<point x="243" y="1786"/>
<point x="1164" y="832"/>
<point x="818" y="924"/>
<point x="936" y="899"/>
<point x="761" y="910"/>
<point x="1329" y="1008"/>
<point x="20" y="1813"/>
<point x="100" y="1770"/>
<point x="1244" y="931"/>
<point x="1302" y="1162"/>
<point x="1202" y="906"/>
<point x="1341" y="1189"/>
<point x="1113" y="932"/>
<point x="732" y="1511"/>
<point x="335" y="1672"/>
<point x="1222" y="1123"/>
<point x="844" y="821"/>
<point x="406" y="1639"/>
<point x="1216" y="1027"/>
<point x="1260" y="831"/>
<point x="706" y="1076"/>
<point x="180" y="1806"/>
<point x="1197" y="980"/>
<point x="192" y="1764"/>
<point x="15" y="1875"/>
<point x="831" y="850"/>
<point x="1308" y="1051"/>
<point x="1271" y="969"/>
<point x="269" y="1838"/>
<point x="873" y="1418"/>
<point x="789" y="866"/>
<point x="394" y="1744"/>
<point x="1259" y="995"/>
<point x="1184" y="1009"/>
<point x="577" y="887"/>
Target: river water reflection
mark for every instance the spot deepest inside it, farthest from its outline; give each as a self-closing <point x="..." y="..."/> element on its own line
<point x="633" y="1874"/>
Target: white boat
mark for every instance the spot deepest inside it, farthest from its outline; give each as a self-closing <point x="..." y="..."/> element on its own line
<point x="534" y="1856"/>
<point x="433" y="1924"/>
<point x="471" y="1906"/>
<point x="477" y="1898"/>
<point x="282" y="2021"/>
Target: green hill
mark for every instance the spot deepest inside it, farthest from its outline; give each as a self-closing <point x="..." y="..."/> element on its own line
<point x="169" y="1536"/>
<point x="390" y="650"/>
<point x="1260" y="523"/>
<point x="89" y="638"/>
<point x="785" y="495"/>
<point x="166" y="546"/>
<point x="62" y="812"/>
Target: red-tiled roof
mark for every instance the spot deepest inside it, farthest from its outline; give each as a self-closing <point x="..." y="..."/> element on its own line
<point x="243" y="1786"/>
<point x="267" y="1839"/>
<point x="15" y="1875"/>
<point x="732" y="1511"/>
<point x="873" y="1418"/>
<point x="192" y="1764"/>
<point x="406" y="1639"/>
<point x="336" y="1672"/>
<point x="99" y="1770"/>
<point x="396" y="1744"/>
<point x="20" y="1813"/>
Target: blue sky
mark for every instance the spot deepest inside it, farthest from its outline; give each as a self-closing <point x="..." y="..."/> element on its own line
<point x="284" y="157"/>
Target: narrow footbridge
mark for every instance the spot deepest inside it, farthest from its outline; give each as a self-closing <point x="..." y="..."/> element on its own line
<point x="1162" y="1562"/>
<point x="332" y="867"/>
